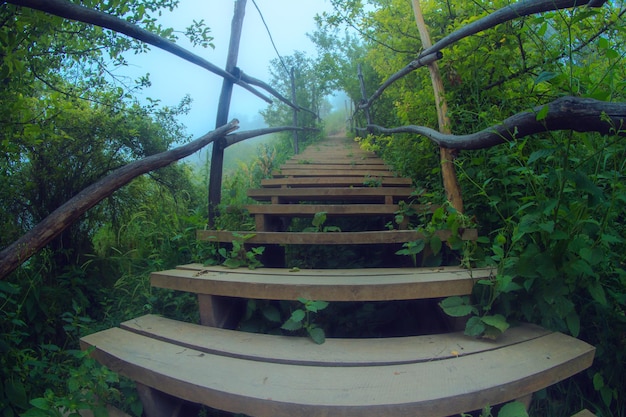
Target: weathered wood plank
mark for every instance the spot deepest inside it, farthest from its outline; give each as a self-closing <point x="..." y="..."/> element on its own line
<point x="331" y="209"/>
<point x="334" y="352"/>
<point x="345" y="181"/>
<point x="312" y="172"/>
<point x="335" y="158"/>
<point x="267" y="389"/>
<point x="335" y="193"/>
<point x="584" y="413"/>
<point x="375" y="284"/>
<point x="328" y="166"/>
<point x="330" y="238"/>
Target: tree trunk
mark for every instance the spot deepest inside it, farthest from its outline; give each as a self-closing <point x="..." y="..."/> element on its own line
<point x="450" y="180"/>
<point x="217" y="155"/>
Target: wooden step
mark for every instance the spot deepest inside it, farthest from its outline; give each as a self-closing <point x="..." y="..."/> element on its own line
<point x="275" y="376"/>
<point x="307" y="171"/>
<point x="325" y="166"/>
<point x="328" y="238"/>
<point x="371" y="284"/>
<point x="336" y="158"/>
<point x="377" y="194"/>
<point x="293" y="210"/>
<point x="341" y="181"/>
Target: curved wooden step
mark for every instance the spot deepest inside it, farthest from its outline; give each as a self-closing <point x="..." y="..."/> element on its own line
<point x="371" y="284"/>
<point x="430" y="376"/>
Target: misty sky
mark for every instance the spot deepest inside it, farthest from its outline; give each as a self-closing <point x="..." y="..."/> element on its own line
<point x="288" y="20"/>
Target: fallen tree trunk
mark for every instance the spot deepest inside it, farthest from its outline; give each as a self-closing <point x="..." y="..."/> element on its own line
<point x="39" y="236"/>
<point x="565" y="113"/>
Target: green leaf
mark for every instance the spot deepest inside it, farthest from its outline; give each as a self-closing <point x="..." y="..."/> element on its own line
<point x="435" y="244"/>
<point x="16" y="392"/>
<point x="514" y="409"/>
<point x="40" y="403"/>
<point x="232" y="263"/>
<point x="457" y="306"/>
<point x="319" y="219"/>
<point x="297" y="315"/>
<point x="573" y="323"/>
<point x="317" y="335"/>
<point x="474" y="327"/>
<point x="597" y="292"/>
<point x="543" y="113"/>
<point x="545" y="76"/>
<point x="291" y="325"/>
<point x="271" y="313"/>
<point x="497" y="320"/>
<point x="598" y="381"/>
<point x="316" y="306"/>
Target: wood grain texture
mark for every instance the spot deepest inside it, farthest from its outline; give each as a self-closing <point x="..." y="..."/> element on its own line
<point x="334" y="352"/>
<point x="343" y="181"/>
<point x="331" y="209"/>
<point x="267" y="389"/>
<point x="372" y="284"/>
<point x="312" y="172"/>
<point x="377" y="194"/>
<point x="328" y="166"/>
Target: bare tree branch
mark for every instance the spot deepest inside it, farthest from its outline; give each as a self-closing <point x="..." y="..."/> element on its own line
<point x="39" y="236"/>
<point x="412" y="66"/>
<point x="510" y="12"/>
<point x="565" y="113"/>
<point x="68" y="10"/>
<point x="241" y="136"/>
<point x="253" y="81"/>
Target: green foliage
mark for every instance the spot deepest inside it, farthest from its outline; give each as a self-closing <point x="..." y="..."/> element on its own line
<point x="551" y="206"/>
<point x="302" y="318"/>
<point x="318" y="224"/>
<point x="239" y="256"/>
<point x="434" y="252"/>
<point x="512" y="409"/>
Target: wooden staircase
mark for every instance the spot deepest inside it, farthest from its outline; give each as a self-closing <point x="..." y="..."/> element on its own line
<point x="176" y="364"/>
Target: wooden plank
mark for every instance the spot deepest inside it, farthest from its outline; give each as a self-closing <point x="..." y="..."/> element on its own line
<point x="346" y="181"/>
<point x="326" y="166"/>
<point x="266" y="389"/>
<point x="357" y="159"/>
<point x="312" y="172"/>
<point x="375" y="284"/>
<point x="584" y="413"/>
<point x="334" y="193"/>
<point x="330" y="238"/>
<point x="331" y="209"/>
<point x="334" y="352"/>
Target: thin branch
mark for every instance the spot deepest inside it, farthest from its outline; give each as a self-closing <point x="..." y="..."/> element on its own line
<point x="412" y="66"/>
<point x="565" y="113"/>
<point x="68" y="10"/>
<point x="511" y="12"/>
<point x="241" y="136"/>
<point x="253" y="81"/>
